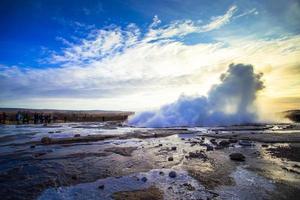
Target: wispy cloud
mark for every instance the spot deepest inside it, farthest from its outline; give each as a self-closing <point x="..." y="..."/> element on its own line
<point x="219" y="21"/>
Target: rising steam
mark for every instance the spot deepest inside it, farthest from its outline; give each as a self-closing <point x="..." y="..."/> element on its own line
<point x="230" y="102"/>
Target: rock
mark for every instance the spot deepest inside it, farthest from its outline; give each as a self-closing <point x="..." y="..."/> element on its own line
<point x="39" y="154"/>
<point x="32" y="146"/>
<point x="160" y="145"/>
<point x="74" y="177"/>
<point x="202" y="138"/>
<point x="213" y="141"/>
<point x="161" y="173"/>
<point x="173" y="148"/>
<point x="144" y="179"/>
<point x="296" y="166"/>
<point x="189" y="187"/>
<point x="224" y="143"/>
<point x="57" y="131"/>
<point x="170" y="159"/>
<point x="101" y="187"/>
<point x="231" y="140"/>
<point x="77" y="135"/>
<point x="197" y="154"/>
<point x="264" y="145"/>
<point x="172" y="174"/>
<point x="209" y="148"/>
<point x="46" y="140"/>
<point x="245" y="143"/>
<point x="237" y="157"/>
<point x="51" y="132"/>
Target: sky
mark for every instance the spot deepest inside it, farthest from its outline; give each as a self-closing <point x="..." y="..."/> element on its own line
<point x="137" y="55"/>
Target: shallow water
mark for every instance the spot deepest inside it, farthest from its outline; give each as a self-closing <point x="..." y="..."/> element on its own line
<point x="75" y="170"/>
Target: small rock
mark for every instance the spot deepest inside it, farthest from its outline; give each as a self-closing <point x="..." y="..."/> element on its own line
<point x="213" y="141"/>
<point x="74" y="177"/>
<point x="101" y="187"/>
<point x="237" y="157"/>
<point x="296" y="166"/>
<point x="264" y="145"/>
<point x="32" y="146"/>
<point x="51" y="132"/>
<point x="77" y="135"/>
<point x="46" y="140"/>
<point x="224" y="143"/>
<point x="170" y="159"/>
<point x="144" y="179"/>
<point x="245" y="143"/>
<point x="172" y="174"/>
<point x="160" y="145"/>
<point x="39" y="154"/>
<point x="197" y="154"/>
<point x="202" y="138"/>
<point x="231" y="140"/>
<point x="173" y="148"/>
<point x="209" y="148"/>
<point x="161" y="173"/>
<point x="189" y="186"/>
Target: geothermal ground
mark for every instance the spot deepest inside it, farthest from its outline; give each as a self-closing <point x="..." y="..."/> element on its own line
<point x="113" y="161"/>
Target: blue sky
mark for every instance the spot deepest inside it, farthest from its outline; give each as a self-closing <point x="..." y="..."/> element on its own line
<point x="43" y="40"/>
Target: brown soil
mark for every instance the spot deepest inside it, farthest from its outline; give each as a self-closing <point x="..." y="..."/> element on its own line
<point x="288" y="152"/>
<point x="151" y="193"/>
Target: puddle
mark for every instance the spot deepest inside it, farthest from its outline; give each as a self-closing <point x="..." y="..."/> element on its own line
<point x="180" y="187"/>
<point x="249" y="185"/>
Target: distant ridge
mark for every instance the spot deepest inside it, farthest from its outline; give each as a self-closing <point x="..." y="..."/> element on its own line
<point x="60" y="110"/>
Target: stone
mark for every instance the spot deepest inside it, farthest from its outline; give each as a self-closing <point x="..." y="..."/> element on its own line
<point x="197" y="154"/>
<point x="265" y="145"/>
<point x="32" y="146"/>
<point x="224" y="143"/>
<point x="77" y="135"/>
<point x="245" y="143"/>
<point x="213" y="141"/>
<point x="144" y="179"/>
<point x="231" y="140"/>
<point x="46" y="140"/>
<point x="173" y="148"/>
<point x="101" y="187"/>
<point x="172" y="174"/>
<point x="209" y="148"/>
<point x="237" y="157"/>
<point x="161" y="173"/>
<point x="189" y="187"/>
<point x="170" y="159"/>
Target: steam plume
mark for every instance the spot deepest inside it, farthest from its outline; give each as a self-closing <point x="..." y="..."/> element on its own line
<point x="230" y="102"/>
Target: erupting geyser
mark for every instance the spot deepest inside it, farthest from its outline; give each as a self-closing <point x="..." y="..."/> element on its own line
<point x="230" y="102"/>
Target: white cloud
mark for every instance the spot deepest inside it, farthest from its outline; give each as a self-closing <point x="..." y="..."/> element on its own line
<point x="219" y="21"/>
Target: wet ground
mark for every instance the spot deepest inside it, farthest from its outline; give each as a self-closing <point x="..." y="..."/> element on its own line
<point x="112" y="161"/>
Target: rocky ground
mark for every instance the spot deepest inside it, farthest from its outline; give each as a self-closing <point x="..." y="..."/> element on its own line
<point x="109" y="161"/>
